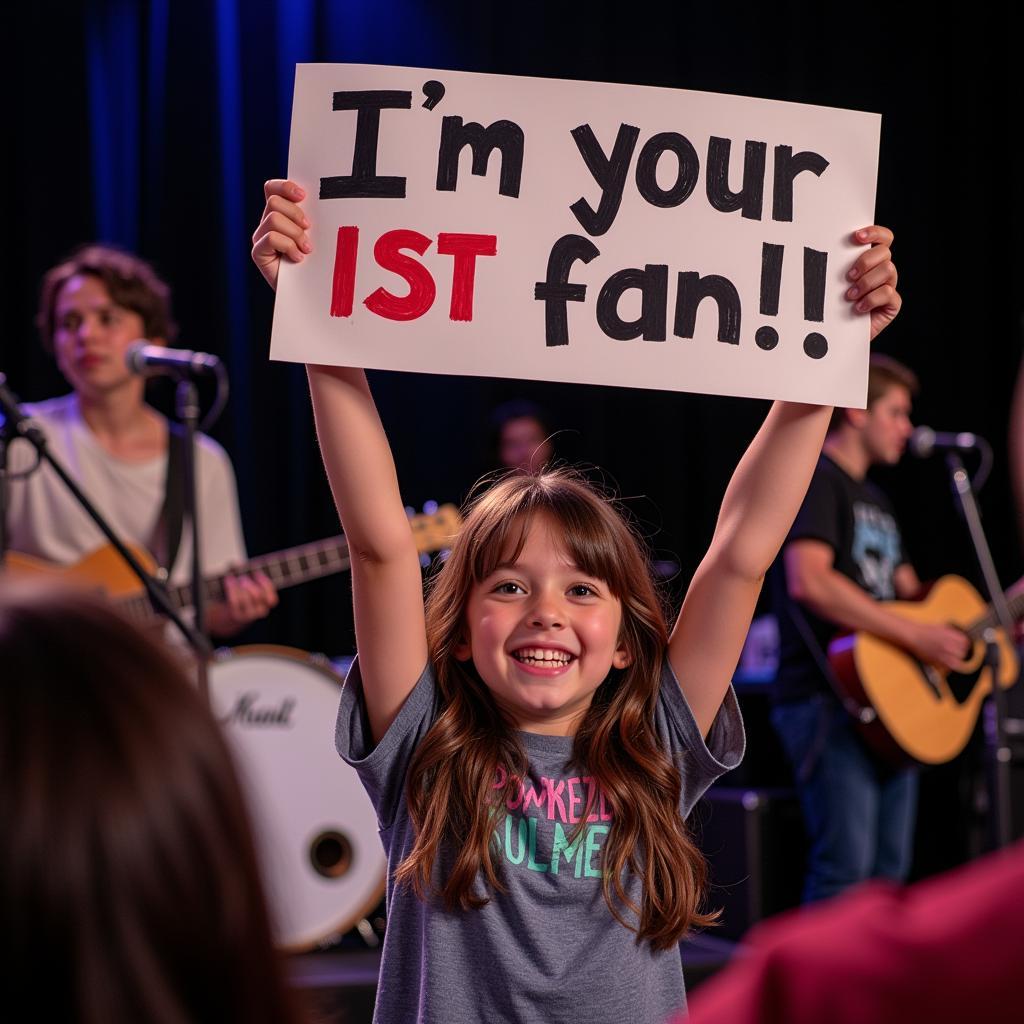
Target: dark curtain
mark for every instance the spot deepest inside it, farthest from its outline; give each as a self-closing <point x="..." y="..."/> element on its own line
<point x="154" y="124"/>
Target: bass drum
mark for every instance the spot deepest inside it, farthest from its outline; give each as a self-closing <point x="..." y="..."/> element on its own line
<point x="316" y="831"/>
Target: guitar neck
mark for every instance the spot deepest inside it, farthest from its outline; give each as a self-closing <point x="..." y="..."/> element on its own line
<point x="977" y="628"/>
<point x="433" y="531"/>
<point x="284" y="568"/>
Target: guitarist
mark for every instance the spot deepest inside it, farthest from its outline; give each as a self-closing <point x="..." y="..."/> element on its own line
<point x="92" y="308"/>
<point x="843" y="555"/>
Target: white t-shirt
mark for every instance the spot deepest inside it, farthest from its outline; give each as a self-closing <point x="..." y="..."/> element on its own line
<point x="46" y="521"/>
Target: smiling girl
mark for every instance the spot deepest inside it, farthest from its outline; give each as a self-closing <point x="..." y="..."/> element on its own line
<point x="533" y="739"/>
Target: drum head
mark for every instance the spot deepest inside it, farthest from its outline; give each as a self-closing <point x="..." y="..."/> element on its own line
<point x="316" y="831"/>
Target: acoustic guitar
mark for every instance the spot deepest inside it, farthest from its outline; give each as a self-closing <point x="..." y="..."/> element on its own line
<point x="105" y="570"/>
<point x="913" y="711"/>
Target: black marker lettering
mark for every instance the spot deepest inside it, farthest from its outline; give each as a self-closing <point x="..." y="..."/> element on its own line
<point x="815" y="267"/>
<point x="364" y="182"/>
<point x="434" y="92"/>
<point x="750" y="198"/>
<point x="693" y="289"/>
<point x="647" y="169"/>
<point x="505" y="136"/>
<point x="554" y="291"/>
<point x="652" y="282"/>
<point x="609" y="173"/>
<point x="787" y="166"/>
<point x="766" y="337"/>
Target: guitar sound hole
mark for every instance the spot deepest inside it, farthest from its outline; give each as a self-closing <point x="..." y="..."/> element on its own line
<point x="961" y="684"/>
<point x="330" y="853"/>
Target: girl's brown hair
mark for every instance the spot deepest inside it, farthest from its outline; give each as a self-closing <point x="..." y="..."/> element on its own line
<point x="452" y="796"/>
<point x="129" y="886"/>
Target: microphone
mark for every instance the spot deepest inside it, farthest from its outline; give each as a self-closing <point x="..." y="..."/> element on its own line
<point x="14" y="419"/>
<point x="924" y="442"/>
<point x="150" y="360"/>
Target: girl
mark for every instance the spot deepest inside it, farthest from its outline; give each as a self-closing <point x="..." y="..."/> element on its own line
<point x="534" y="739"/>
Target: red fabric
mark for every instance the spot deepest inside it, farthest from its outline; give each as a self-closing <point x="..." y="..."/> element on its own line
<point x="947" y="950"/>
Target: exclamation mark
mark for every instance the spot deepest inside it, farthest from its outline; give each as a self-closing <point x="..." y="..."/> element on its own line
<point x="815" y="265"/>
<point x="771" y="281"/>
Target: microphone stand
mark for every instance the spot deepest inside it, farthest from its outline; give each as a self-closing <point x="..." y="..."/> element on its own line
<point x="1001" y="750"/>
<point x="187" y="404"/>
<point x="19" y="425"/>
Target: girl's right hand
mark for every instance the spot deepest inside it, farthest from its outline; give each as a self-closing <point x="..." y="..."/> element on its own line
<point x="282" y="231"/>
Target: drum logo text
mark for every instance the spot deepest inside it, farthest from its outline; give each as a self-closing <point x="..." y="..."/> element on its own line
<point x="246" y="711"/>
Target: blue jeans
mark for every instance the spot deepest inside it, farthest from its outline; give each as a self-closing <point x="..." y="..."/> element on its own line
<point x="859" y="813"/>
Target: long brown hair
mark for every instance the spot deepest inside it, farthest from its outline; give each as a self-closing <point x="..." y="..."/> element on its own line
<point x="451" y="788"/>
<point x="129" y="887"/>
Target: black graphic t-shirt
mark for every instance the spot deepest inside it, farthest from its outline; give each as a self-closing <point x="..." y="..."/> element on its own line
<point x="857" y="521"/>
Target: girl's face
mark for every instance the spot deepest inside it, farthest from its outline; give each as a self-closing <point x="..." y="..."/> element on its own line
<point x="543" y="635"/>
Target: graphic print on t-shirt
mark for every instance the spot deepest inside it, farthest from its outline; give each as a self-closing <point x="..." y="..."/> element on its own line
<point x="875" y="549"/>
<point x="541" y="831"/>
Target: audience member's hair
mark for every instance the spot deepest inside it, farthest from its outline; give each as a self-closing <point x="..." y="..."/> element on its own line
<point x="129" y="887"/>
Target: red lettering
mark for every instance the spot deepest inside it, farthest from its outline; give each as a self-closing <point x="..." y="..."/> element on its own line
<point x="555" y="798"/>
<point x="387" y="252"/>
<point x="531" y="796"/>
<point x="344" y="271"/>
<point x="500" y="775"/>
<point x="514" y="801"/>
<point x="574" y="800"/>
<point x="592" y="797"/>
<point x="465" y="249"/>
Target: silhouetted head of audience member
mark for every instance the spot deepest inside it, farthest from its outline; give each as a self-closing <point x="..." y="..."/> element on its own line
<point x="521" y="436"/>
<point x="129" y="885"/>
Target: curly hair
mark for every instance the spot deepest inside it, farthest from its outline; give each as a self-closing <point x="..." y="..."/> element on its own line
<point x="132" y="283"/>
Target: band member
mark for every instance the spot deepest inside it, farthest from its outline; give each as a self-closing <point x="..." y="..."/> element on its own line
<point x="521" y="438"/>
<point x="92" y="308"/>
<point x="843" y="555"/>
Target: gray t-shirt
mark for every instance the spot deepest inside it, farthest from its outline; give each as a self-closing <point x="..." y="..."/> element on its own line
<point x="547" y="950"/>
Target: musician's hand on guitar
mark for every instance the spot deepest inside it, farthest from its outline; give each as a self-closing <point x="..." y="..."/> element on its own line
<point x="940" y="645"/>
<point x="1015" y="591"/>
<point x="281" y="232"/>
<point x="873" y="279"/>
<point x="247" y="598"/>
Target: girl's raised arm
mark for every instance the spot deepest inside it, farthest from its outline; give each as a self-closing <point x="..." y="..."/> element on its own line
<point x="760" y="504"/>
<point x="387" y="586"/>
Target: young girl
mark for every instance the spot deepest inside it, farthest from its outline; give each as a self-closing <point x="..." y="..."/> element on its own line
<point x="534" y="739"/>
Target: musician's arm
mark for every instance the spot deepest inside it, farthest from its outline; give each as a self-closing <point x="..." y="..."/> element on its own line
<point x="813" y="581"/>
<point x="908" y="584"/>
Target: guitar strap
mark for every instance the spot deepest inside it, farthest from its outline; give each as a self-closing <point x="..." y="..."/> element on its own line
<point x="173" y="511"/>
<point x="810" y="641"/>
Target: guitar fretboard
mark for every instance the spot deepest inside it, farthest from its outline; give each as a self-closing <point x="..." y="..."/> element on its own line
<point x="284" y="569"/>
<point x="987" y="621"/>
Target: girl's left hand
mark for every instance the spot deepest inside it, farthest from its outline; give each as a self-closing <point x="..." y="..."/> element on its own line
<point x="873" y="279"/>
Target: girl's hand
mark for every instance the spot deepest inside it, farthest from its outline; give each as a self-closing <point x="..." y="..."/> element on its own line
<point x="874" y="278"/>
<point x="282" y="231"/>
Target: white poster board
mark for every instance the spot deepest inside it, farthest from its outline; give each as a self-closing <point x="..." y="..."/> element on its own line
<point x="577" y="231"/>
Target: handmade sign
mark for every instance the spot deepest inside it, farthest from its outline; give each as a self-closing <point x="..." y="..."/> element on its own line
<point x="577" y="231"/>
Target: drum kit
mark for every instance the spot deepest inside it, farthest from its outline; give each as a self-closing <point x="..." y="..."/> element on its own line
<point x="323" y="863"/>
